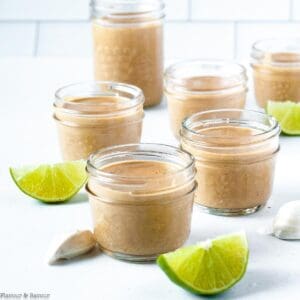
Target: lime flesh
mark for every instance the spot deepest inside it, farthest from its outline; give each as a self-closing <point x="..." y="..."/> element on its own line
<point x="210" y="267"/>
<point x="287" y="113"/>
<point x="51" y="183"/>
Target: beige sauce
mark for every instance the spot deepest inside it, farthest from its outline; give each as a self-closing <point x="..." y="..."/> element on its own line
<point x="131" y="54"/>
<point x="214" y="96"/>
<point x="141" y="223"/>
<point x="86" y="125"/>
<point x="276" y="82"/>
<point x="237" y="179"/>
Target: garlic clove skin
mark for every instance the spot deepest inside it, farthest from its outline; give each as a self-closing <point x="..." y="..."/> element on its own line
<point x="286" y="224"/>
<point x="72" y="245"/>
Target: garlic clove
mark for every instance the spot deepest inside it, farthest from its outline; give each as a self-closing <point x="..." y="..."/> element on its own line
<point x="72" y="245"/>
<point x="286" y="224"/>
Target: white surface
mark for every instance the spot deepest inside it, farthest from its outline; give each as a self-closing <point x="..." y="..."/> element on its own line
<point x="248" y="33"/>
<point x="296" y="9"/>
<point x="177" y="9"/>
<point x="27" y="226"/>
<point x="17" y="39"/>
<point x="44" y="10"/>
<point x="183" y="40"/>
<point x="240" y="10"/>
<point x="199" y="40"/>
<point x="64" y="39"/>
<point x="195" y="28"/>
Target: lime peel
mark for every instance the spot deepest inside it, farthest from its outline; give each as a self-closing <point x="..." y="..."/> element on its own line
<point x="51" y="183"/>
<point x="287" y="113"/>
<point x="210" y="267"/>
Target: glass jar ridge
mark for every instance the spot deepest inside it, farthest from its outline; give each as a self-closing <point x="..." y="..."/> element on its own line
<point x="120" y="10"/>
<point x="65" y="95"/>
<point x="157" y="152"/>
<point x="230" y="75"/>
<point x="278" y="52"/>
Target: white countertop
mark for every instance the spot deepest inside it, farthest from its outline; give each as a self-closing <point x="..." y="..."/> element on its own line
<point x="26" y="226"/>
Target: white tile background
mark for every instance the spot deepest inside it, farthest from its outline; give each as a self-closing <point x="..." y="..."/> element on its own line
<point x="194" y="28"/>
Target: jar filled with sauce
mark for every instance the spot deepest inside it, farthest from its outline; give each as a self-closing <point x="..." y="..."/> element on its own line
<point x="198" y="85"/>
<point x="128" y="44"/>
<point x="276" y="70"/>
<point x="235" y="152"/>
<point x="93" y="115"/>
<point x="141" y="198"/>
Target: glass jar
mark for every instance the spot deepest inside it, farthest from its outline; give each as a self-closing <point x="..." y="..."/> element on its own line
<point x="235" y="154"/>
<point x="198" y="85"/>
<point x="128" y="44"/>
<point x="141" y="197"/>
<point x="94" y="115"/>
<point x="276" y="70"/>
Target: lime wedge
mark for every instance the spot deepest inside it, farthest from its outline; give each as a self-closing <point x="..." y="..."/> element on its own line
<point x="210" y="267"/>
<point x="51" y="183"/>
<point x="287" y="113"/>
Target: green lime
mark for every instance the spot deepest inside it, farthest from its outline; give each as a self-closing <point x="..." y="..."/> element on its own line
<point x="287" y="113"/>
<point x="210" y="267"/>
<point x="51" y="183"/>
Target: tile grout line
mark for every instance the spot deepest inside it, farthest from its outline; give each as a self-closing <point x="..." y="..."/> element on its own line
<point x="37" y="37"/>
<point x="206" y="21"/>
<point x="219" y="21"/>
<point x="235" y="24"/>
<point x="189" y="10"/>
<point x="291" y="2"/>
<point x="44" y="21"/>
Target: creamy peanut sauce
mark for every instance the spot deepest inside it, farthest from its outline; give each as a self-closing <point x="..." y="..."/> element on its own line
<point x="146" y="223"/>
<point x="94" y="125"/>
<point x="130" y="53"/>
<point x="277" y="78"/>
<point x="237" y="179"/>
<point x="217" y="93"/>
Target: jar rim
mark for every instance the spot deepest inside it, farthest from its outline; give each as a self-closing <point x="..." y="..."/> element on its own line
<point x="90" y="89"/>
<point x="142" y="150"/>
<point x="277" y="51"/>
<point x="273" y="129"/>
<point x="126" y="9"/>
<point x="233" y="72"/>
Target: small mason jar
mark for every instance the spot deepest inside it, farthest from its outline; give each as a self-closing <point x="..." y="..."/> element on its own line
<point x="198" y="85"/>
<point x="276" y="70"/>
<point x="128" y="44"/>
<point x="141" y="198"/>
<point x="235" y="154"/>
<point x="94" y="115"/>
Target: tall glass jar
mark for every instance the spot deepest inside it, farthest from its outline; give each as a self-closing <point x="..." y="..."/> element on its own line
<point x="276" y="70"/>
<point x="94" y="115"/>
<point x="141" y="197"/>
<point x="235" y="154"/>
<point x="198" y="85"/>
<point x="128" y="44"/>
